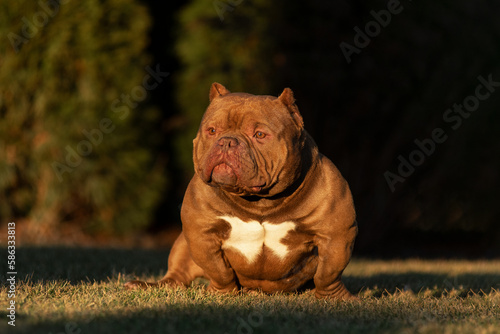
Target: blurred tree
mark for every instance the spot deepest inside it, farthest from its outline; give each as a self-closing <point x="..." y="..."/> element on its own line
<point x="223" y="42"/>
<point x="75" y="139"/>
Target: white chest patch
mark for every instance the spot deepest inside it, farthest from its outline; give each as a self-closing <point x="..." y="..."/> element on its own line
<point x="249" y="238"/>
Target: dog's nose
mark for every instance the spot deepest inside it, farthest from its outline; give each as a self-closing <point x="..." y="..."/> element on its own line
<point x="228" y="142"/>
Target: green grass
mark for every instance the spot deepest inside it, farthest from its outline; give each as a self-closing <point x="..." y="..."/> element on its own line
<point x="79" y="290"/>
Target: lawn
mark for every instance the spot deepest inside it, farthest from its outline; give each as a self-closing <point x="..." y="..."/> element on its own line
<point x="79" y="290"/>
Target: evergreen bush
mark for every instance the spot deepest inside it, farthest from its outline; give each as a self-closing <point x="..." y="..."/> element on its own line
<point x="222" y="41"/>
<point x="74" y="136"/>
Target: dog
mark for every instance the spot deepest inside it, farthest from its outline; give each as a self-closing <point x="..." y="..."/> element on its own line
<point x="264" y="210"/>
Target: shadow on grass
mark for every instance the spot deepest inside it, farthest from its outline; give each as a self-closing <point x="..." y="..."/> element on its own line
<point x="87" y="264"/>
<point x="417" y="282"/>
<point x="223" y="319"/>
<point x="98" y="264"/>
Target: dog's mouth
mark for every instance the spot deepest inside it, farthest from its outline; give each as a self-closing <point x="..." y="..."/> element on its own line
<point x="224" y="174"/>
<point x="227" y="177"/>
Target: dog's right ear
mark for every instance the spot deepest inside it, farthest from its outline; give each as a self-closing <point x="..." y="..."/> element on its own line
<point x="289" y="101"/>
<point x="217" y="90"/>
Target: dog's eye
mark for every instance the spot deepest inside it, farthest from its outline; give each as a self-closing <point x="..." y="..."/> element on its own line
<point x="211" y="131"/>
<point x="260" y="135"/>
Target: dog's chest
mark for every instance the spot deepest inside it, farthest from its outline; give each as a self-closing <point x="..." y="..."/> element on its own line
<point x="251" y="238"/>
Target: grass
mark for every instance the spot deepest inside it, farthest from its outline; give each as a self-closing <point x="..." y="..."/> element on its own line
<point x="78" y="291"/>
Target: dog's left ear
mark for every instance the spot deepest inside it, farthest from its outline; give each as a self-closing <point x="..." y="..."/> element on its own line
<point x="289" y="101"/>
<point x="217" y="90"/>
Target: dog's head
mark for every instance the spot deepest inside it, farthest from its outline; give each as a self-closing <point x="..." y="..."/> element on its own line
<point x="249" y="144"/>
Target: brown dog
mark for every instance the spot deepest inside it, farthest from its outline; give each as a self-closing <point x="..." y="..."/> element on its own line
<point x="264" y="210"/>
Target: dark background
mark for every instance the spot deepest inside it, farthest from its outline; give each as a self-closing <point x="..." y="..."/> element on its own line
<point x="365" y="114"/>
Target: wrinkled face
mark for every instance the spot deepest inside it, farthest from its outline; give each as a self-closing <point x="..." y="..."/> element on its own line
<point x="248" y="145"/>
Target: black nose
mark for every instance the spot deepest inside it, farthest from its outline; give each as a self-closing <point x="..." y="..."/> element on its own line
<point x="228" y="142"/>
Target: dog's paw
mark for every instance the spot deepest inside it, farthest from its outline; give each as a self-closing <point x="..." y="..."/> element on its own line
<point x="341" y="295"/>
<point x="251" y="292"/>
<point x="167" y="282"/>
<point x="137" y="285"/>
<point x="229" y="289"/>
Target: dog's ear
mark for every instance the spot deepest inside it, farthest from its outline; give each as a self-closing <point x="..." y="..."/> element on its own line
<point x="217" y="90"/>
<point x="289" y="101"/>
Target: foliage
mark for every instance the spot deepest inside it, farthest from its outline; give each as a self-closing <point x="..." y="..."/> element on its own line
<point x="232" y="51"/>
<point x="71" y="149"/>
